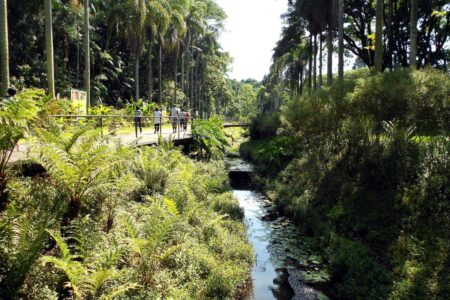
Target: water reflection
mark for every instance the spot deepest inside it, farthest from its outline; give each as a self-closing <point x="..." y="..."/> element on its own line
<point x="278" y="250"/>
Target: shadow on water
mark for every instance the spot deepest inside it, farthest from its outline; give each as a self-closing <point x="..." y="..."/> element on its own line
<point x="284" y="258"/>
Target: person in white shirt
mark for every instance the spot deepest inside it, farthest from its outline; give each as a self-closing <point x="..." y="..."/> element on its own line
<point x="158" y="119"/>
<point x="174" y="115"/>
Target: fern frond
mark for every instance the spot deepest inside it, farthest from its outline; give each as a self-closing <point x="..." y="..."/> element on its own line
<point x="98" y="278"/>
<point x="171" y="207"/>
<point x="120" y="290"/>
<point x="63" y="247"/>
<point x="130" y="226"/>
<point x="79" y="132"/>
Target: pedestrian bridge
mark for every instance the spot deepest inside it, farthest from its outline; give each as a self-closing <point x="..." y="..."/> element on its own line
<point x="122" y="129"/>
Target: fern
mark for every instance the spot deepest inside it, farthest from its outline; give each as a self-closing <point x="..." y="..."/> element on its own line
<point x="120" y="290"/>
<point x="171" y="207"/>
<point x="90" y="278"/>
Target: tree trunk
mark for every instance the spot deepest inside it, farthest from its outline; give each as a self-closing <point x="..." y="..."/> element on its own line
<point x="160" y="73"/>
<point x="341" y="39"/>
<point x="413" y="31"/>
<point x="321" y="61"/>
<point x="175" y="71"/>
<point x="390" y="36"/>
<point x="136" y="76"/>
<point x="73" y="211"/>
<point x="310" y="63"/>
<point x="330" y="56"/>
<point x="379" y="47"/>
<point x="4" y="50"/>
<point x="315" y="61"/>
<point x="49" y="48"/>
<point x="191" y="87"/>
<point x="78" y="56"/>
<point x="301" y="80"/>
<point x="182" y="70"/>
<point x="150" y="71"/>
<point x="87" y="54"/>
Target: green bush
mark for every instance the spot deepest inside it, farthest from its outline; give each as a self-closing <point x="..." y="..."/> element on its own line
<point x="265" y="126"/>
<point x="370" y="169"/>
<point x="182" y="239"/>
<point x="360" y="275"/>
<point x="209" y="137"/>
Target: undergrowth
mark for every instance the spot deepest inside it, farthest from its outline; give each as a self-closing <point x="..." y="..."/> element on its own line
<point x="363" y="165"/>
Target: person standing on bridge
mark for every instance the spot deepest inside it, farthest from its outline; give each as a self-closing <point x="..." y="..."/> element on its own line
<point x="138" y="120"/>
<point x="174" y="115"/>
<point x="183" y="120"/>
<point x="157" y="114"/>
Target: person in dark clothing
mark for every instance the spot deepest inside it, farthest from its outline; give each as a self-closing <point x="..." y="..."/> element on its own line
<point x="11" y="93"/>
<point x="138" y="120"/>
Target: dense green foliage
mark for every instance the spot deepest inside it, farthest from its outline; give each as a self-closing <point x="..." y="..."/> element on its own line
<point x="367" y="174"/>
<point x="311" y="39"/>
<point x="210" y="138"/>
<point x="164" y="51"/>
<point x="106" y="221"/>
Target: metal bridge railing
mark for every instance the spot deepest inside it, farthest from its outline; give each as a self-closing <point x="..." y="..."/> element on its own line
<point x="114" y="122"/>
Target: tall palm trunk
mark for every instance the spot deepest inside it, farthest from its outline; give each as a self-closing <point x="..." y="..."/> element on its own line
<point x="315" y="61"/>
<point x="78" y="55"/>
<point x="160" y="72"/>
<point x="310" y="63"/>
<point x="4" y="50"/>
<point x="320" y="60"/>
<point x="136" y="75"/>
<point x="49" y="48"/>
<point x="413" y="50"/>
<point x="182" y="69"/>
<point x="301" y="80"/>
<point x="379" y="36"/>
<point x="330" y="55"/>
<point x="175" y="71"/>
<point x="191" y="86"/>
<point x="87" y="54"/>
<point x="390" y="36"/>
<point x="150" y="70"/>
<point x="341" y="39"/>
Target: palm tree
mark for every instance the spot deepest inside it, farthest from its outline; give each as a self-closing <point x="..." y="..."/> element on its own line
<point x="379" y="36"/>
<point x="331" y="24"/>
<point x="157" y="22"/>
<point x="49" y="48"/>
<point x="87" y="54"/>
<point x="4" y="51"/>
<point x="136" y="35"/>
<point x="179" y="11"/>
<point x="413" y="46"/>
<point x="341" y="39"/>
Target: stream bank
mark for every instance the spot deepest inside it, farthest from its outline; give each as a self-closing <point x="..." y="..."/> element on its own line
<point x="286" y="265"/>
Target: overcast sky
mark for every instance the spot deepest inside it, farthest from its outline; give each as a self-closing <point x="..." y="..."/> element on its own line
<point x="251" y="31"/>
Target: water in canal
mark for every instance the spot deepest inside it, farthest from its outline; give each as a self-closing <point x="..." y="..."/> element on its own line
<point x="285" y="265"/>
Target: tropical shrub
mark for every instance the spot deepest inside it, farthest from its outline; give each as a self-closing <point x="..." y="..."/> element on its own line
<point x="15" y="116"/>
<point x="368" y="181"/>
<point x="136" y="224"/>
<point x="209" y="137"/>
<point x="265" y="126"/>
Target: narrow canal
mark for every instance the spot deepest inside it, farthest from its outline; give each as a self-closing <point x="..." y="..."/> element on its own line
<point x="285" y="267"/>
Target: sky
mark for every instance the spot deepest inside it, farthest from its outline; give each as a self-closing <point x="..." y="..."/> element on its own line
<point x="251" y="31"/>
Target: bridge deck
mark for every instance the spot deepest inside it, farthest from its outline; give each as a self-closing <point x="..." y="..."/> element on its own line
<point x="147" y="138"/>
